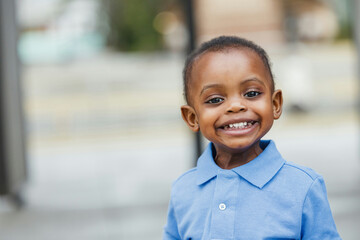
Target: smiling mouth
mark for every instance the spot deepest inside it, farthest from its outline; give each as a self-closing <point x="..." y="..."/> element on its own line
<point x="239" y="125"/>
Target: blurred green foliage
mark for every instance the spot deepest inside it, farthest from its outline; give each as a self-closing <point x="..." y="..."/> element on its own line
<point x="344" y="11"/>
<point x="130" y="24"/>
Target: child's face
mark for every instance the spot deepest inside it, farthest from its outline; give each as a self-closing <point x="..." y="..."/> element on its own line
<point x="233" y="104"/>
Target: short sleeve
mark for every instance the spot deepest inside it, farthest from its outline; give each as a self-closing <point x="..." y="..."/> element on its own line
<point x="171" y="230"/>
<point x="317" y="220"/>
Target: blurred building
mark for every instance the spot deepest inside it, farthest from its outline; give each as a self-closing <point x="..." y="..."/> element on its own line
<point x="270" y="22"/>
<point x="261" y="21"/>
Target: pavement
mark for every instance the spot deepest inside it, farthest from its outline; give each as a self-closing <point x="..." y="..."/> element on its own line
<point x="106" y="140"/>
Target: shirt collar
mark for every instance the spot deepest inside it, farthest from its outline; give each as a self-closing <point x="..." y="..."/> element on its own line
<point x="258" y="172"/>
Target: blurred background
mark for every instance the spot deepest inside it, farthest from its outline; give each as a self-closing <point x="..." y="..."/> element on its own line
<point x="91" y="133"/>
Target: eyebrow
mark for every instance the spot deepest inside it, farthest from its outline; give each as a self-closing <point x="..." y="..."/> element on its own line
<point x="214" y="85"/>
<point x="209" y="86"/>
<point x="253" y="79"/>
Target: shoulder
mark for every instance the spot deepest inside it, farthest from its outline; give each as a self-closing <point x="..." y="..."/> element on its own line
<point x="301" y="171"/>
<point x="185" y="181"/>
<point x="296" y="177"/>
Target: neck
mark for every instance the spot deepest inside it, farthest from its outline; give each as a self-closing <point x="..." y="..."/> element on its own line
<point x="229" y="160"/>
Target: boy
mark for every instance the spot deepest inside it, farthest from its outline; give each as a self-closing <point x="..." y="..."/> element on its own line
<point x="241" y="188"/>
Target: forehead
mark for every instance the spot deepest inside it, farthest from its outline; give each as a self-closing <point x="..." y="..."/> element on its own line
<point x="231" y="61"/>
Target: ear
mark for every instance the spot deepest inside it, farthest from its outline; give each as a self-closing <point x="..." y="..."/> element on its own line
<point x="189" y="115"/>
<point x="277" y="101"/>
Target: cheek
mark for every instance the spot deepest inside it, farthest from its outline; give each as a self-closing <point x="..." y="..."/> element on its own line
<point x="264" y="109"/>
<point x="208" y="117"/>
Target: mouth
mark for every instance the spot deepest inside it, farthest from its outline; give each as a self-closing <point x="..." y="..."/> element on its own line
<point x="239" y="125"/>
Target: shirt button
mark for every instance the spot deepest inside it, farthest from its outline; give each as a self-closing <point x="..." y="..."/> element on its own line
<point x="222" y="206"/>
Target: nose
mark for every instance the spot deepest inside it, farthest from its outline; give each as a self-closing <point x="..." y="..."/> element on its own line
<point x="236" y="105"/>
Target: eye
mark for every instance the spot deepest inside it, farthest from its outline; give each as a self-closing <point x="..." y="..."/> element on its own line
<point x="252" y="94"/>
<point x="215" y="100"/>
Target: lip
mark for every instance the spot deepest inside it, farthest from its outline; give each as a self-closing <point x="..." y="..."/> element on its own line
<point x="236" y="120"/>
<point x="238" y="131"/>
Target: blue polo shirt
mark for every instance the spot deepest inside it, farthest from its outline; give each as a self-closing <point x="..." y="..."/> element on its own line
<point x="267" y="198"/>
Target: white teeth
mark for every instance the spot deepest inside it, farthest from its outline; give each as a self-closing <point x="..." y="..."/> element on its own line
<point x="238" y="125"/>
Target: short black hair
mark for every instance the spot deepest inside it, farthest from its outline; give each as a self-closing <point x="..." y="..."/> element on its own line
<point x="219" y="44"/>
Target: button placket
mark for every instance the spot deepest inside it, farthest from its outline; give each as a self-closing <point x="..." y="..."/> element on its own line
<point x="225" y="194"/>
